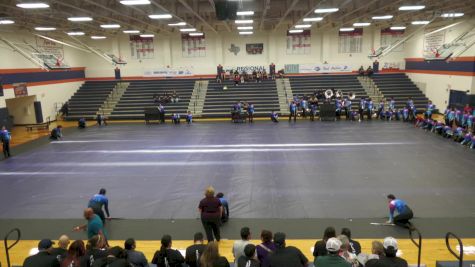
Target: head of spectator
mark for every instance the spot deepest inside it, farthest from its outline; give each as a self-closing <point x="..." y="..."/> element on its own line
<point x="377" y="248"/>
<point x="333" y="246"/>
<point x="279" y="240"/>
<point x="266" y="236"/>
<point x="210" y="255"/>
<point x="345" y="243"/>
<point x="245" y="233"/>
<point x="95" y="242"/>
<point x="329" y="233"/>
<point x="390" y="247"/>
<point x="209" y="192"/>
<point x="102" y="191"/>
<point x="45" y="244"/>
<point x="117" y="252"/>
<point x="166" y="242"/>
<point x="63" y="242"/>
<point x="250" y="251"/>
<point x="75" y="252"/>
<point x="219" y="195"/>
<point x="88" y="214"/>
<point x="129" y="244"/>
<point x="198" y="238"/>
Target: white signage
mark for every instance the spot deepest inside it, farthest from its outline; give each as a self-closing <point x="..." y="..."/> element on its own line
<point x="324" y="68"/>
<point x="169" y="72"/>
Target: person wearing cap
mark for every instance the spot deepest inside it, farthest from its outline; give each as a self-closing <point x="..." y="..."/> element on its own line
<point x="134" y="257"/>
<point x="390" y="260"/>
<point x="249" y="258"/>
<point x="404" y="212"/>
<point x="43" y="258"/>
<point x="99" y="201"/>
<point x="62" y="250"/>
<point x="238" y="246"/>
<point x="194" y="252"/>
<point x="332" y="259"/>
<point x="286" y="256"/>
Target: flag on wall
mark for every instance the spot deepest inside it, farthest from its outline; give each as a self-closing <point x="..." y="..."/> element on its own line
<point x="298" y="43"/>
<point x="389" y="37"/>
<point x="141" y="48"/>
<point x="193" y="46"/>
<point x="350" y="42"/>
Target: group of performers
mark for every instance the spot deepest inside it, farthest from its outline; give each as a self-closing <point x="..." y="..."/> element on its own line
<point x="458" y="125"/>
<point x="241" y="111"/>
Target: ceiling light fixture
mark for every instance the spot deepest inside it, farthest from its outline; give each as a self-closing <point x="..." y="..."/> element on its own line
<point x="326" y="10"/>
<point x="408" y="8"/>
<point x="303" y="26"/>
<point x="32" y="5"/>
<point x="245" y="28"/>
<point x="452" y="15"/>
<point x="177" y="24"/>
<point x="382" y="17"/>
<point x="135" y="2"/>
<point x="147" y="35"/>
<point x="6" y="21"/>
<point x="160" y="16"/>
<point x="295" y="31"/>
<point x="361" y="24"/>
<point x="420" y="22"/>
<point x="313" y="19"/>
<point x="188" y="30"/>
<point x="131" y="31"/>
<point x="347" y="29"/>
<point x="398" y="28"/>
<point x="45" y="28"/>
<point x="246" y="33"/>
<point x="75" y="33"/>
<point x="243" y="21"/>
<point x="78" y="19"/>
<point x="98" y="37"/>
<point x="110" y="26"/>
<point x="196" y="34"/>
<point x="245" y="13"/>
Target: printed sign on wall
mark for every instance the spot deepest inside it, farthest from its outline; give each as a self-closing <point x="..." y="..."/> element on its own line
<point x="389" y="37"/>
<point x="20" y="89"/>
<point x="298" y="43"/>
<point x="433" y="41"/>
<point x="50" y="47"/>
<point x="141" y="48"/>
<point x="254" y="49"/>
<point x="193" y="46"/>
<point x="350" y="42"/>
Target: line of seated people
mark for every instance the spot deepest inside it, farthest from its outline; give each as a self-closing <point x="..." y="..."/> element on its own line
<point x="368" y="72"/>
<point x="166" y="98"/>
<point x="332" y="250"/>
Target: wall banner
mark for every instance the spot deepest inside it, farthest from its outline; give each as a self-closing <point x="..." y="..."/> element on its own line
<point x="141" y="48"/>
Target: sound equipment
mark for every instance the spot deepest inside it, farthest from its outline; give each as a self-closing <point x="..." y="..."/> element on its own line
<point x="327" y="112"/>
<point x="226" y="10"/>
<point x="38" y="112"/>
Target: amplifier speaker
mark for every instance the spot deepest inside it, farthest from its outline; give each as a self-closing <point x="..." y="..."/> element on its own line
<point x="327" y="112"/>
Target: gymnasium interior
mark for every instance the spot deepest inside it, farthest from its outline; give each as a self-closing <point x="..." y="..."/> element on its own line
<point x="305" y="114"/>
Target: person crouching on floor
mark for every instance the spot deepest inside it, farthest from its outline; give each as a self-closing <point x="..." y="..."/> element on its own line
<point x="274" y="116"/>
<point x="467" y="139"/>
<point x="82" y="123"/>
<point x="56" y="133"/>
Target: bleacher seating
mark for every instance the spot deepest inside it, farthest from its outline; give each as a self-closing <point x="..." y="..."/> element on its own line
<point x="399" y="86"/>
<point x="219" y="102"/>
<point x="89" y="98"/>
<point x="306" y="85"/>
<point x="139" y="96"/>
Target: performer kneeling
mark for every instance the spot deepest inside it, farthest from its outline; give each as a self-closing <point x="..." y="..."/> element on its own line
<point x="82" y="123"/>
<point x="404" y="212"/>
<point x="274" y="116"/>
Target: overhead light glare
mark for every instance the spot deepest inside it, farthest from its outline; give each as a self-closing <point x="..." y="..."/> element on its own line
<point x="6" y="21"/>
<point x="347" y="29"/>
<point x="45" y="28"/>
<point x="32" y="5"/>
<point x="313" y="19"/>
<point x="196" y="34"/>
<point x="420" y="22"/>
<point x="295" y="31"/>
<point x="398" y="28"/>
<point x="147" y="35"/>
<point x="243" y="21"/>
<point x="361" y="24"/>
<point x="161" y="16"/>
<point x="75" y="33"/>
<point x="382" y="17"/>
<point x="246" y="33"/>
<point x="303" y="26"/>
<point x="326" y="10"/>
<point x="135" y="2"/>
<point x="452" y="15"/>
<point x="408" y="8"/>
<point x="78" y="19"/>
<point x="177" y="24"/>
<point x="188" y="30"/>
<point x="131" y="31"/>
<point x="110" y="26"/>
<point x="245" y="27"/>
<point x="98" y="37"/>
<point x="245" y="13"/>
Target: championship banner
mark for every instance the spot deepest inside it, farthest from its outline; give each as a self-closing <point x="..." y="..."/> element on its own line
<point x="193" y="46"/>
<point x="50" y="47"/>
<point x="169" y="72"/>
<point x="20" y="89"/>
<point x="254" y="49"/>
<point x="247" y="69"/>
<point x="298" y="43"/>
<point x="317" y="68"/>
<point x="389" y="37"/>
<point x="433" y="41"/>
<point x="141" y="48"/>
<point x="350" y="42"/>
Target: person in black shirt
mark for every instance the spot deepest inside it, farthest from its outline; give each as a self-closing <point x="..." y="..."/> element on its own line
<point x="116" y="258"/>
<point x="249" y="259"/>
<point x="76" y="252"/>
<point x="94" y="251"/>
<point x="355" y="246"/>
<point x="134" y="257"/>
<point x="390" y="260"/>
<point x="286" y="256"/>
<point x="320" y="248"/>
<point x="194" y="252"/>
<point x="211" y="257"/>
<point x="61" y="251"/>
<point x="166" y="256"/>
<point x="43" y="258"/>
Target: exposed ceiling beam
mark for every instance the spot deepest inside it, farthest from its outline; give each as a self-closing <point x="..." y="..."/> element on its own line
<point x="264" y="13"/>
<point x="287" y="12"/>
<point x="195" y="13"/>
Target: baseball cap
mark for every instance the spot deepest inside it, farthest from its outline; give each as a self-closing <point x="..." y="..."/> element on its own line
<point x="333" y="244"/>
<point x="390" y="242"/>
<point x="45" y="244"/>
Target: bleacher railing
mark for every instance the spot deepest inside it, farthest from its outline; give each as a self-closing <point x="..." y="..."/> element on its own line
<point x="458" y="256"/>
<point x="417" y="243"/>
<point x="8" y="247"/>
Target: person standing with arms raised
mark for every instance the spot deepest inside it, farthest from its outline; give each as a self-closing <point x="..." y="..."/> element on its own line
<point x="211" y="209"/>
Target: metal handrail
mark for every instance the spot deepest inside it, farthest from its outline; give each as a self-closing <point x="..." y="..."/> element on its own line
<point x="418" y="244"/>
<point x="8" y="247"/>
<point x="459" y="257"/>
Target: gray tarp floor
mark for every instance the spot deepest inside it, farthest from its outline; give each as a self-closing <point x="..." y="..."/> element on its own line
<point x="305" y="170"/>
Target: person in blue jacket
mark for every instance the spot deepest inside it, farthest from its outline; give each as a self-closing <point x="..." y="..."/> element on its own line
<point x="97" y="202"/>
<point x="6" y="137"/>
<point x="250" y="112"/>
<point x="293" y="111"/>
<point x="404" y="213"/>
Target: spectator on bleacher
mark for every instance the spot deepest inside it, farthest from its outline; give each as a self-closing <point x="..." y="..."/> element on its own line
<point x="175" y="97"/>
<point x="274" y="116"/>
<point x="43" y="257"/>
<point x="361" y="71"/>
<point x="98" y="202"/>
<point x="265" y="248"/>
<point x="345" y="252"/>
<point x="286" y="256"/>
<point x="82" y="123"/>
<point x="355" y="246"/>
<point x="134" y="257"/>
<point x="56" y="133"/>
<point x="75" y="254"/>
<point x="94" y="250"/>
<point x="467" y="109"/>
<point x="211" y="257"/>
<point x="166" y="256"/>
<point x="238" y="246"/>
<point x="61" y="251"/>
<point x="281" y="73"/>
<point x="211" y="209"/>
<point x="390" y="259"/>
<point x="225" y="203"/>
<point x="332" y="259"/>
<point x="5" y="137"/>
<point x="116" y="257"/>
<point x="264" y="75"/>
<point x="377" y="252"/>
<point x="250" y="112"/>
<point x="94" y="225"/>
<point x="320" y="246"/>
<point x="369" y="71"/>
<point x="194" y="252"/>
<point x="272" y="71"/>
<point x="249" y="258"/>
<point x="237" y="79"/>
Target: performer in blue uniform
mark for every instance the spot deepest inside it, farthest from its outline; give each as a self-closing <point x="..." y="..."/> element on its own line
<point x="274" y="117"/>
<point x="6" y="137"/>
<point x="250" y="112"/>
<point x="293" y="111"/>
<point x="97" y="202"/>
<point x="362" y="107"/>
<point x="369" y="107"/>
<point x="189" y="117"/>
<point x="429" y="110"/>
<point x="404" y="212"/>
